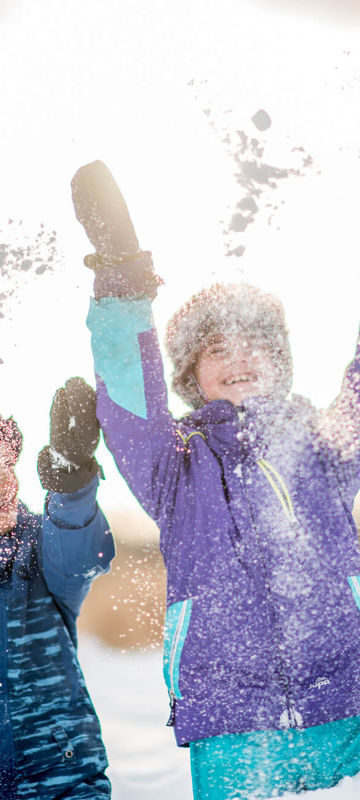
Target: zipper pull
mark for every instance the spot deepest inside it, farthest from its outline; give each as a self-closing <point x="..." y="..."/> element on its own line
<point x="171" y="721"/>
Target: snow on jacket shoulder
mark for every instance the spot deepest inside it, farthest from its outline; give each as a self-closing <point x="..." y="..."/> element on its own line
<point x="50" y="731"/>
<point x="254" y="509"/>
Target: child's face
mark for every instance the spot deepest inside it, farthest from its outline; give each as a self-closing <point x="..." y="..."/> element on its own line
<point x="9" y="486"/>
<point x="233" y="369"/>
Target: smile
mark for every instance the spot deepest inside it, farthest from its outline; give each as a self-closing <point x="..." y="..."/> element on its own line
<point x="240" y="379"/>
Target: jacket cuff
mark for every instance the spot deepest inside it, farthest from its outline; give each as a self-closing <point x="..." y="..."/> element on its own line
<point x="74" y="509"/>
<point x="65" y="480"/>
<point x="131" y="277"/>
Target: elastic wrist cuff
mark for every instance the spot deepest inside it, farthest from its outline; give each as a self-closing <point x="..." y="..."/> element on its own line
<point x="126" y="278"/>
<point x="66" y="480"/>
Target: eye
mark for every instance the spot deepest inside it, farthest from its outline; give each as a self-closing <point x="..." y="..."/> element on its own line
<point x="217" y="348"/>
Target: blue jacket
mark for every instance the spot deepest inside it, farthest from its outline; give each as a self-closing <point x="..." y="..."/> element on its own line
<point x="50" y="734"/>
<point x="254" y="508"/>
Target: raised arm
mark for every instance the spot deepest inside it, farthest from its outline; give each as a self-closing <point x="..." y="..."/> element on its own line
<point x="132" y="397"/>
<point x="76" y="543"/>
<point x="339" y="425"/>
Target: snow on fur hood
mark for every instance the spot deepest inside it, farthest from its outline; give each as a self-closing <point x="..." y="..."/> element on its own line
<point x="227" y="309"/>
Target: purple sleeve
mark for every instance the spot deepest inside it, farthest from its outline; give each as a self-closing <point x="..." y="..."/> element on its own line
<point x="132" y="398"/>
<point x="339" y="428"/>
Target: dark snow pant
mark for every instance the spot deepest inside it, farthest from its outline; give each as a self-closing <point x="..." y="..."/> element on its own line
<point x="97" y="787"/>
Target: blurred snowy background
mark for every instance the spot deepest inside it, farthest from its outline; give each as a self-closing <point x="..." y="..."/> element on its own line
<point x="166" y="93"/>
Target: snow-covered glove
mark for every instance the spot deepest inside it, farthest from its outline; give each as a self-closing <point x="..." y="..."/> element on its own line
<point x="121" y="267"/>
<point x="68" y="463"/>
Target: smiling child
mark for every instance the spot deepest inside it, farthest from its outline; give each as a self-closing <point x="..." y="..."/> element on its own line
<point x="253" y="492"/>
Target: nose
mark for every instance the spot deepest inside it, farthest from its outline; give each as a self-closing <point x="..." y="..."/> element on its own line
<point x="238" y="354"/>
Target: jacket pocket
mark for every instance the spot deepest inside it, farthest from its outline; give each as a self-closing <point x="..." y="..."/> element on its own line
<point x="42" y="749"/>
<point x="176" y="627"/>
<point x="354" y="581"/>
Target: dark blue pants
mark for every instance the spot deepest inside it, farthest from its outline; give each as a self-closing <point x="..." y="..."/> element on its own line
<point x="97" y="787"/>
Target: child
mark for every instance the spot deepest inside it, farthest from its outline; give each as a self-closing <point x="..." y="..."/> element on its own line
<point x="50" y="736"/>
<point x="253" y="493"/>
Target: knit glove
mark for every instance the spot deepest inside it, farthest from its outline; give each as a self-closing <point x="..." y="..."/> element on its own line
<point x="68" y="463"/>
<point x="121" y="267"/>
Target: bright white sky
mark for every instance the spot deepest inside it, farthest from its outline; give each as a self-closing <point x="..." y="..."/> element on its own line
<point x="109" y="80"/>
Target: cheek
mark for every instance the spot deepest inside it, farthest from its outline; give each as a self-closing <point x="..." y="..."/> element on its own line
<point x="268" y="371"/>
<point x="8" y="488"/>
<point x="205" y="374"/>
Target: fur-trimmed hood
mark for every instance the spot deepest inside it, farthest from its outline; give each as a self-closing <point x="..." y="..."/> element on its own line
<point x="227" y="309"/>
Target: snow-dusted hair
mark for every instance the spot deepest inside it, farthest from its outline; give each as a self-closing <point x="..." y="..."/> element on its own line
<point x="11" y="436"/>
<point x="227" y="309"/>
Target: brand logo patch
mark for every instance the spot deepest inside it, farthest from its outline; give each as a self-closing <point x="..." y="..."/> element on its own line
<point x="319" y="683"/>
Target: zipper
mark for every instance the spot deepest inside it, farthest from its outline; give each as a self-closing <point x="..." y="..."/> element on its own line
<point x="171" y="721"/>
<point x="174" y="645"/>
<point x="173" y="653"/>
<point x="293" y="719"/>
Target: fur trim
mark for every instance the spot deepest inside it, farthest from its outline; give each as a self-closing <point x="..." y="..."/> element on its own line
<point x="227" y="309"/>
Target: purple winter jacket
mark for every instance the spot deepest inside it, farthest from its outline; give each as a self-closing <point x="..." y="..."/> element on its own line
<point x="254" y="508"/>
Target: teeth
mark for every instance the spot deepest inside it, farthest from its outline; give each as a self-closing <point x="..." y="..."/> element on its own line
<point x="239" y="380"/>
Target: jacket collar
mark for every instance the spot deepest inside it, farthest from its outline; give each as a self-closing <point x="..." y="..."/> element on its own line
<point x="250" y="426"/>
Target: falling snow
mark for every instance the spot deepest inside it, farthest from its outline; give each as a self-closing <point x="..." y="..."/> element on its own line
<point x="23" y="253"/>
